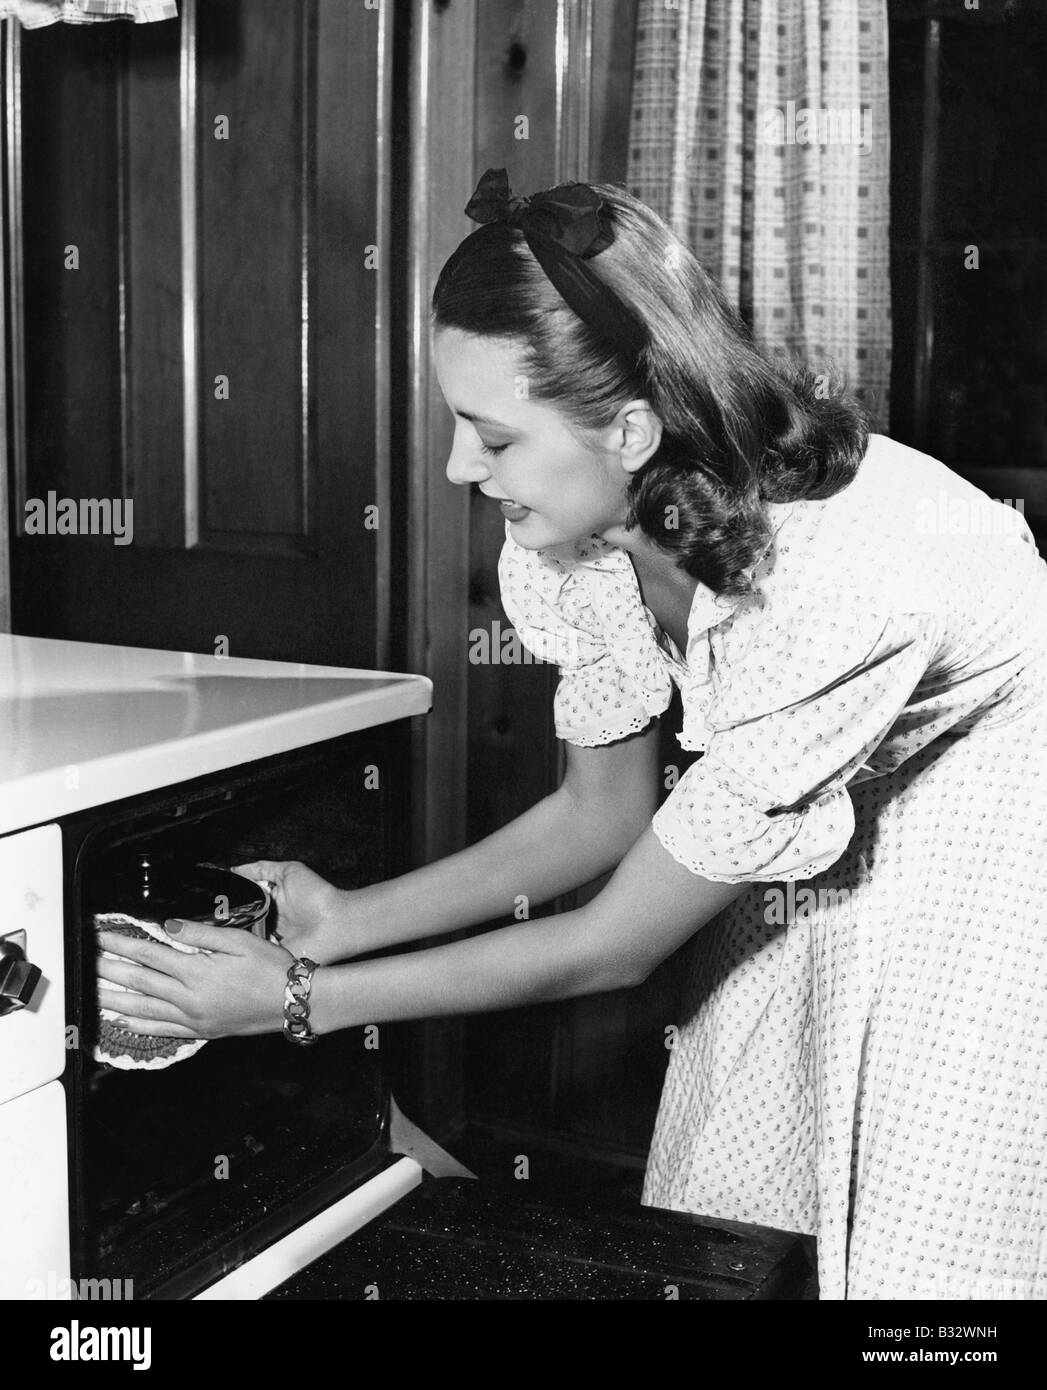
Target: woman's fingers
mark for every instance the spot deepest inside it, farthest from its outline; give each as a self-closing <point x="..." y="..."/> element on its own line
<point x="140" y="979"/>
<point x="157" y="1030"/>
<point x="140" y="1013"/>
<point x="226" y="941"/>
<point x="263" y="870"/>
<point x="150" y="953"/>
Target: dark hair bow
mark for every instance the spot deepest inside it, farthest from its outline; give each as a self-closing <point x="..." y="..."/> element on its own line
<point x="568" y="214"/>
<point x="564" y="229"/>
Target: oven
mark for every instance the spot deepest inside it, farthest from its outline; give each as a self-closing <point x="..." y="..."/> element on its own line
<point x="221" y="1174"/>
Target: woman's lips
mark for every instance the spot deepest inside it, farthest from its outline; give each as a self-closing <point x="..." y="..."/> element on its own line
<point x="513" y="511"/>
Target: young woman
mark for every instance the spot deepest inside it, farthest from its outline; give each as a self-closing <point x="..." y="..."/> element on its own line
<point x="859" y="638"/>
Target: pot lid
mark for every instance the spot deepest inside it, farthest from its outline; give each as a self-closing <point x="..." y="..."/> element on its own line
<point x="153" y="887"/>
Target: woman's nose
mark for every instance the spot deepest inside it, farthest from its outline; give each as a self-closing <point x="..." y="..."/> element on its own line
<point x="464" y="466"/>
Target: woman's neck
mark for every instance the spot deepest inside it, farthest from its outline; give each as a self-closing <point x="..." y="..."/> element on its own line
<point x="647" y="558"/>
<point x="667" y="591"/>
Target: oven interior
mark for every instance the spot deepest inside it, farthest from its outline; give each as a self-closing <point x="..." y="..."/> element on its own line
<point x="180" y="1174"/>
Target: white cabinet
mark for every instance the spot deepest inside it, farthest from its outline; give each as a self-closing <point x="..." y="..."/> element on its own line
<point x="32" y="1040"/>
<point x="34" y="1247"/>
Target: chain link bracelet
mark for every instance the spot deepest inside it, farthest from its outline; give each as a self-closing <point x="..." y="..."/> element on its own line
<point x="297" y="1028"/>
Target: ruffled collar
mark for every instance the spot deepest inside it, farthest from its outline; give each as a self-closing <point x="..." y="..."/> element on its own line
<point x="634" y="635"/>
<point x="708" y="609"/>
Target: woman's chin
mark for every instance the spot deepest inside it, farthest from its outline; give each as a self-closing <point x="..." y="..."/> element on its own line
<point x="535" y="532"/>
<point x="530" y="530"/>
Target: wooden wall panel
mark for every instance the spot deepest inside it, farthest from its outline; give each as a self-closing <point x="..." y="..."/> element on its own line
<point x="12" y="388"/>
<point x="72" y="186"/>
<point x="438" y="112"/>
<point x="152" y="276"/>
<point x="614" y="32"/>
<point x="513" y="757"/>
<point x="346" y="398"/>
<point x="441" y="117"/>
<point x="253" y="65"/>
<point x="516" y="77"/>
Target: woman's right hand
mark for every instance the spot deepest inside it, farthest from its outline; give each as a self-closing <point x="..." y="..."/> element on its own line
<point x="313" y="917"/>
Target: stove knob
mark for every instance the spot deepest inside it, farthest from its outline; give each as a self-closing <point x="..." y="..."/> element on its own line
<point x="18" y="979"/>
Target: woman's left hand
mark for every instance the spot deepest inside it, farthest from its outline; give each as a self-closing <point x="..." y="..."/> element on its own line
<point x="236" y="989"/>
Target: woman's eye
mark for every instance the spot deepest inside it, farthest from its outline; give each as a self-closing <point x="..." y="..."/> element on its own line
<point x="493" y="448"/>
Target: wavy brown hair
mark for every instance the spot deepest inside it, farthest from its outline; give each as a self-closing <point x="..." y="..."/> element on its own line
<point x="738" y="429"/>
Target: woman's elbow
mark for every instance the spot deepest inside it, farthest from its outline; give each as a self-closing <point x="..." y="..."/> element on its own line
<point x="606" y="970"/>
<point x="614" y="829"/>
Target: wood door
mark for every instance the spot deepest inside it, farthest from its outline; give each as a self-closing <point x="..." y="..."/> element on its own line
<point x="199" y="250"/>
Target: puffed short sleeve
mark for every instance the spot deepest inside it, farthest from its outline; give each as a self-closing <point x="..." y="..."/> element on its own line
<point x="793" y="722"/>
<point x="598" y="700"/>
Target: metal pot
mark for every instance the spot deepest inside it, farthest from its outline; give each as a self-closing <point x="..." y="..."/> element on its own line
<point x="134" y="899"/>
<point x="152" y="889"/>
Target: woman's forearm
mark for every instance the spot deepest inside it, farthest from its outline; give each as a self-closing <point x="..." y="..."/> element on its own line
<point x="526" y="963"/>
<point x="555" y="846"/>
<point x="650" y="906"/>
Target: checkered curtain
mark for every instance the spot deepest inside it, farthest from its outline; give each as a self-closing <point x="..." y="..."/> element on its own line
<point x="34" y="14"/>
<point x="759" y="131"/>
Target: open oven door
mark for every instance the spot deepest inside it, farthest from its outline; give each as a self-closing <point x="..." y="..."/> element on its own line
<point x="412" y="1156"/>
<point x="426" y="1230"/>
<point x="459" y="1240"/>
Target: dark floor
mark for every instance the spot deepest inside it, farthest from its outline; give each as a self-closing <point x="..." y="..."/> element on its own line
<point x="493" y="1155"/>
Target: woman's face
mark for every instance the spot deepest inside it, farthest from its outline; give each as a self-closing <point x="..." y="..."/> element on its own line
<point x="551" y="487"/>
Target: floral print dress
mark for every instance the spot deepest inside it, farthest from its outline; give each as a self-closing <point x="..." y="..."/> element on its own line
<point x="862" y="1030"/>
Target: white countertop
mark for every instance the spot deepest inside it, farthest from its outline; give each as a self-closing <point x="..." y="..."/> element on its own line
<point x="83" y="724"/>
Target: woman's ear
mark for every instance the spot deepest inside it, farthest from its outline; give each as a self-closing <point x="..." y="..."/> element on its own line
<point x="637" y="432"/>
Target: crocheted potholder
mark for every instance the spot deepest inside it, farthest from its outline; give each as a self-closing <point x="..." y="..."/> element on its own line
<point x="137" y="1051"/>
